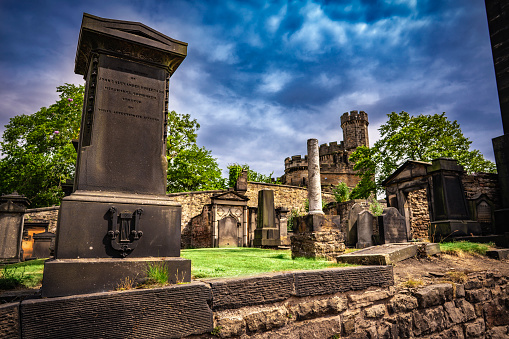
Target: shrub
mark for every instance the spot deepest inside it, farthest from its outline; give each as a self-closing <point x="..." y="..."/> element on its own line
<point x="341" y="192"/>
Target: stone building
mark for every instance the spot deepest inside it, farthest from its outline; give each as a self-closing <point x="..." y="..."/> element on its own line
<point x="334" y="164"/>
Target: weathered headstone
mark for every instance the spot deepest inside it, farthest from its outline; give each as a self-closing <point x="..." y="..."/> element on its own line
<point x="314" y="185"/>
<point x="118" y="220"/>
<point x="392" y="226"/>
<point x="365" y="229"/>
<point x="12" y="209"/>
<point x="241" y="184"/>
<point x="353" y="216"/>
<point x="266" y="232"/>
<point x="42" y="245"/>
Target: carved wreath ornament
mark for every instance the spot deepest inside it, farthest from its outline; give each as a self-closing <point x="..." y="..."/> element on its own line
<point x="124" y="230"/>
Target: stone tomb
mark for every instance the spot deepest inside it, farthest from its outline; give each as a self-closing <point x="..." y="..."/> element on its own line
<point x="12" y="209"/>
<point x="118" y="220"/>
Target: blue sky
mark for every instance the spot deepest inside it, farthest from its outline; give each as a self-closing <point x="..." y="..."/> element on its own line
<point x="263" y="77"/>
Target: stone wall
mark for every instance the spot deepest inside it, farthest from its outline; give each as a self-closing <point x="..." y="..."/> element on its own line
<point x="358" y="302"/>
<point x="419" y="215"/>
<point x="44" y="214"/>
<point x="482" y="183"/>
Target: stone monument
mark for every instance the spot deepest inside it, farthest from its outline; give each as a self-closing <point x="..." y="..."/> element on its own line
<point x="118" y="220"/>
<point x="365" y="229"/>
<point x="450" y="215"/>
<point x="12" y="209"/>
<point x="392" y="226"/>
<point x="266" y="232"/>
<point x="498" y="23"/>
<point x="316" y="234"/>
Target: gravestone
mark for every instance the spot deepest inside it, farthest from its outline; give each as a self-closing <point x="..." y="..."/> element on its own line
<point x="42" y="245"/>
<point x="353" y="216"/>
<point x="365" y="229"/>
<point x="12" y="209"/>
<point x="392" y="226"/>
<point x="118" y="220"/>
<point x="266" y="232"/>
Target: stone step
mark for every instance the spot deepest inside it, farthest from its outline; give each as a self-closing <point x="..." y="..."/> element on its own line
<point x="499" y="254"/>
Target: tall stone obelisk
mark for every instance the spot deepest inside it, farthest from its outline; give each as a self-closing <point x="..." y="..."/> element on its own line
<point x="118" y="220"/>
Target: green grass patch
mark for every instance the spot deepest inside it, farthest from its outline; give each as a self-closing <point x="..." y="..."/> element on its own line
<point x="459" y="248"/>
<point x="233" y="262"/>
<point x="27" y="274"/>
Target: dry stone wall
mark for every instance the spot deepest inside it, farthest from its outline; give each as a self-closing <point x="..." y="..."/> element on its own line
<point x="358" y="302"/>
<point x="478" y="308"/>
<point x="44" y="214"/>
<point x="291" y="197"/>
<point x="419" y="215"/>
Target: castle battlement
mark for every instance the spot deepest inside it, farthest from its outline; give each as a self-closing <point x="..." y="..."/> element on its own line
<point x="354" y="116"/>
<point x="331" y="147"/>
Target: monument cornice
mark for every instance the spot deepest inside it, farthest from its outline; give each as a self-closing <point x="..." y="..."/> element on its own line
<point x="129" y="40"/>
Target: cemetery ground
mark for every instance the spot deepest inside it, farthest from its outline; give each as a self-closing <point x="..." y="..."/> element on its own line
<point x="457" y="260"/>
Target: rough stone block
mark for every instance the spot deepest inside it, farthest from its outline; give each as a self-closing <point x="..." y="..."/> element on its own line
<point x="229" y="326"/>
<point x="235" y="293"/>
<point x="403" y="303"/>
<point x="434" y="295"/>
<point x="332" y="281"/>
<point x="265" y="320"/>
<point x="430" y="320"/>
<point x="405" y="325"/>
<point x="476" y="296"/>
<point x="475" y="329"/>
<point x="376" y="311"/>
<point x="9" y="321"/>
<point x="367" y="298"/>
<point x="455" y="332"/>
<point x="496" y="313"/>
<point x="170" y="312"/>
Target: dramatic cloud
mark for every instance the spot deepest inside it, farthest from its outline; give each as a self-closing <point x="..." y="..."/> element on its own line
<point x="262" y="77"/>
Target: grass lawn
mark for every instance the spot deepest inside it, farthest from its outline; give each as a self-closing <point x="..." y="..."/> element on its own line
<point x="26" y="274"/>
<point x="459" y="248"/>
<point x="230" y="262"/>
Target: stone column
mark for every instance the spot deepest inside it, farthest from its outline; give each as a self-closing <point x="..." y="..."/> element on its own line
<point x="244" y="225"/>
<point x="314" y="184"/>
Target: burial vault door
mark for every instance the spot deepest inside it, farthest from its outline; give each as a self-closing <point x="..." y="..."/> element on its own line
<point x="229" y="232"/>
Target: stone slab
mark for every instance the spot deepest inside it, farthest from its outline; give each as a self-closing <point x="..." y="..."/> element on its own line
<point x="453" y="228"/>
<point x="63" y="277"/>
<point x="169" y="312"/>
<point x="330" y="281"/>
<point x="9" y="321"/>
<point x="380" y="255"/>
<point x="499" y="254"/>
<point x="317" y="223"/>
<point x="235" y="293"/>
<point x="429" y="248"/>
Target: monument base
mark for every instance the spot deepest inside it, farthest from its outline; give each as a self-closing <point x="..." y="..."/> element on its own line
<point x="63" y="277"/>
<point x="268" y="237"/>
<point x="453" y="228"/>
<point x="502" y="221"/>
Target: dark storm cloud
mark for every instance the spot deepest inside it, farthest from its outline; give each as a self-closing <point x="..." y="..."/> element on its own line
<point x="262" y="77"/>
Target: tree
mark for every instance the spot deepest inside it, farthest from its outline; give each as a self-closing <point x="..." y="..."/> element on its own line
<point x="234" y="171"/>
<point x="422" y="138"/>
<point x="38" y="154"/>
<point x="194" y="169"/>
<point x="190" y="168"/>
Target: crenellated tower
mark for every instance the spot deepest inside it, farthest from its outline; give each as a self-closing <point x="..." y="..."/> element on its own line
<point x="355" y="129"/>
<point x="335" y="166"/>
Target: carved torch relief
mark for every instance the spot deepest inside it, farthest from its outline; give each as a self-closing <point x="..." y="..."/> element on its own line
<point x="124" y="230"/>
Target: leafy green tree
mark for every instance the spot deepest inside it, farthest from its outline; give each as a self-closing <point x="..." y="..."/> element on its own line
<point x="38" y="154"/>
<point x="234" y="171"/>
<point x="190" y="168"/>
<point x="422" y="138"/>
<point x="194" y="169"/>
